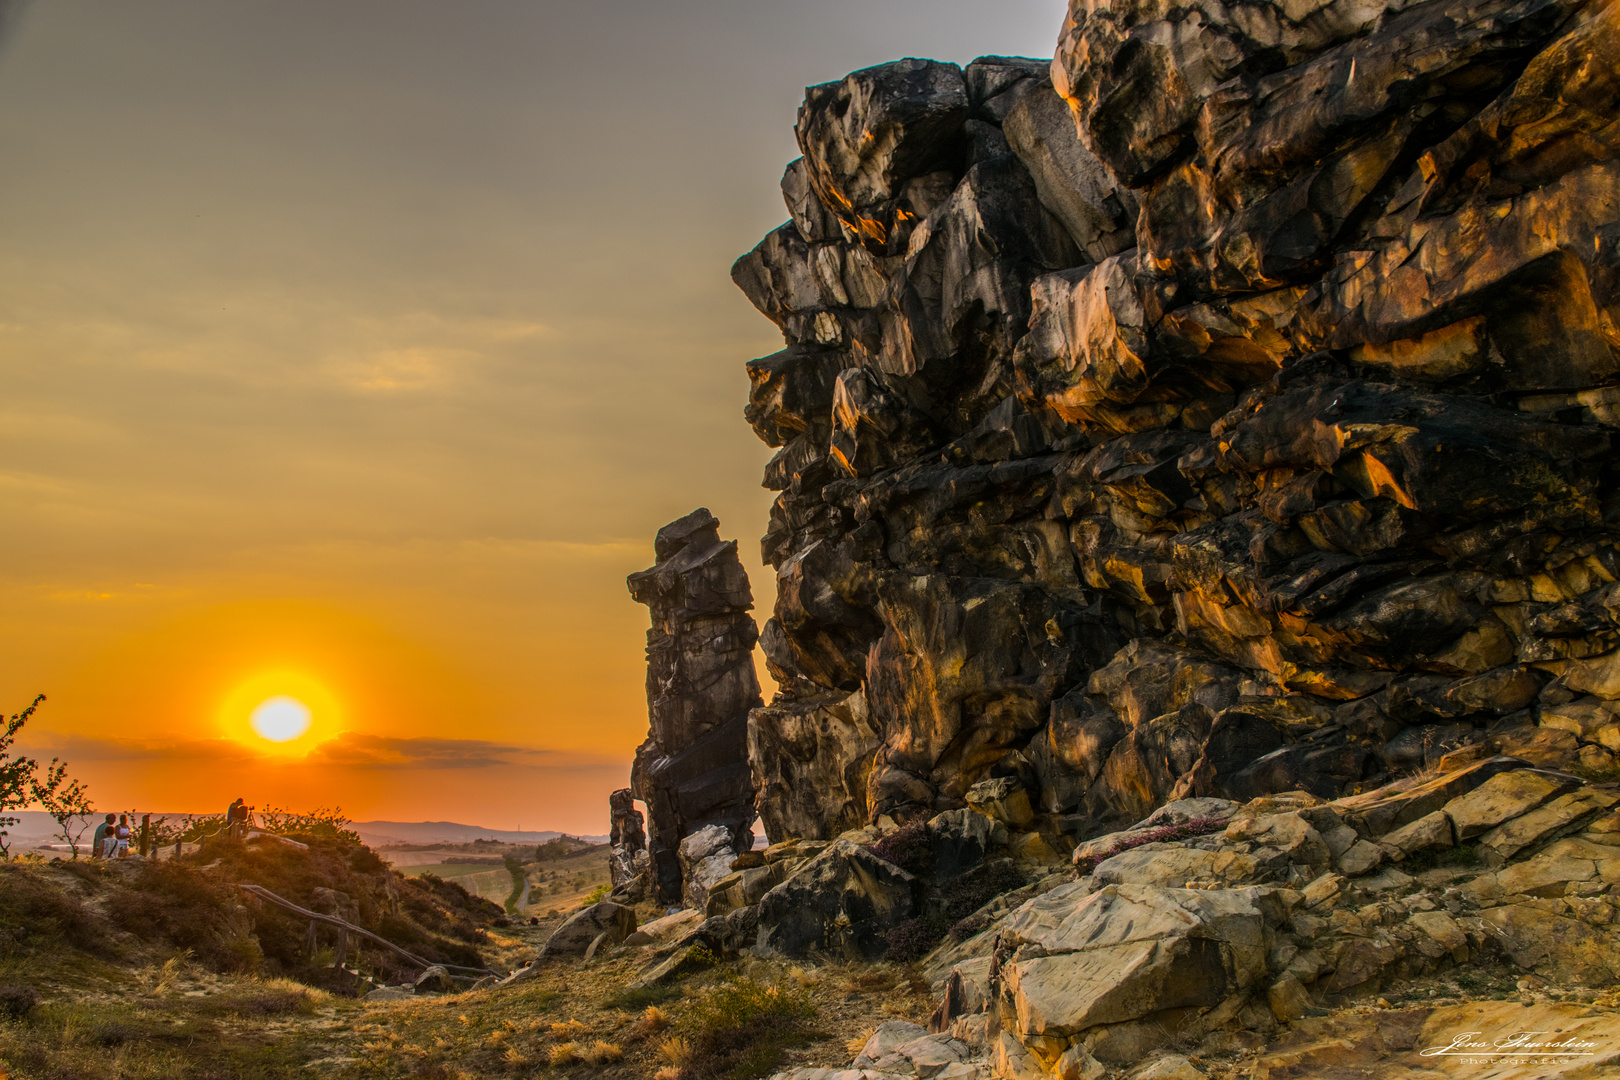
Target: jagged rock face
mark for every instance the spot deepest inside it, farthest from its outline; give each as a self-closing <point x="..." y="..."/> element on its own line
<point x="693" y="771"/>
<point x="1223" y="408"/>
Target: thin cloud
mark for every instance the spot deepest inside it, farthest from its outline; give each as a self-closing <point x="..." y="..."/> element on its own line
<point x="348" y="750"/>
<point x="359" y="751"/>
<point x="71" y="748"/>
<point x="354" y="750"/>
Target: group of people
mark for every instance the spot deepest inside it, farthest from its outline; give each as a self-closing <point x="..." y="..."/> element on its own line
<point x="112" y="836"/>
<point x="112" y="839"/>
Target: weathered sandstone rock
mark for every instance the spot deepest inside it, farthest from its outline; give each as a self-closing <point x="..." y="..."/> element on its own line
<point x="1222" y="412"/>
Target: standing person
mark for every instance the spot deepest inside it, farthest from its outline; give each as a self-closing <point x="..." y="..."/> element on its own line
<point x="109" y="838"/>
<point x="121" y="835"/>
<point x="99" y="839"/>
<point x="233" y="814"/>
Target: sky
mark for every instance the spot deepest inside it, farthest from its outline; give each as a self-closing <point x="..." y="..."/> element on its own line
<point x="353" y="352"/>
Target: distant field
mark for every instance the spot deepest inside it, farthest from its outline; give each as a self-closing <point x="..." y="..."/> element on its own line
<point x="450" y="870"/>
<point x="562" y="884"/>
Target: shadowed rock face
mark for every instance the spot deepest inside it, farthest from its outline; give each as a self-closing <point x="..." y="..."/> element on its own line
<point x="1223" y="408"/>
<point x="693" y="769"/>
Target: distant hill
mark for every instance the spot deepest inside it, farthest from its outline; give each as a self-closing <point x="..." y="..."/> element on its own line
<point x="448" y="832"/>
<point x="37" y="827"/>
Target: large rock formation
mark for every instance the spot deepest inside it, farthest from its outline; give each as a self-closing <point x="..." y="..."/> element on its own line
<point x="1198" y="452"/>
<point x="1224" y="407"/>
<point x="693" y="771"/>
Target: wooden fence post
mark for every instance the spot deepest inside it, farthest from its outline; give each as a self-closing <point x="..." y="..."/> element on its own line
<point x="309" y="942"/>
<point x="343" y="947"/>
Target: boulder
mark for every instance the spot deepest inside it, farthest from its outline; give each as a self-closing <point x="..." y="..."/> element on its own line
<point x="577" y="932"/>
<point x="1563" y="814"/>
<point x="1502" y="798"/>
<point x="1003" y="799"/>
<point x="434" y="980"/>
<point x="960" y="840"/>
<point x="705" y="859"/>
<point x="1128" y="951"/>
<point x="1177" y="866"/>
<point x="841" y="901"/>
<point x="1362" y="858"/>
<point x="1427" y="832"/>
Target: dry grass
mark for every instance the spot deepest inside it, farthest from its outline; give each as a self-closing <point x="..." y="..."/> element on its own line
<point x="601" y="1052"/>
<point x="675" y="1050"/>
<point x="567" y="1029"/>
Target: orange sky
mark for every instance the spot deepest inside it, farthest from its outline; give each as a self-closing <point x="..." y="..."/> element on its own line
<point x="357" y="351"/>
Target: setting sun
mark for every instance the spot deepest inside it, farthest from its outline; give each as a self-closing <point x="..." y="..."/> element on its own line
<point x="280" y="710"/>
<point x="281" y="719"/>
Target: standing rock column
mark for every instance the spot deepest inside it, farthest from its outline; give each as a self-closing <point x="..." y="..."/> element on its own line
<point x="628" y="862"/>
<point x="693" y="769"/>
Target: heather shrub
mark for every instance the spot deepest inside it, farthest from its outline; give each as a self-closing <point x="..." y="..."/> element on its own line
<point x="908" y="847"/>
<point x="17" y="1002"/>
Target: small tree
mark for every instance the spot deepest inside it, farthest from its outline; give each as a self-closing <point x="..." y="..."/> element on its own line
<point x="65" y="800"/>
<point x="16" y="774"/>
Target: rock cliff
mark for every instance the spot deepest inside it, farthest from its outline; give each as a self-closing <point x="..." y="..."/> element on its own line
<point x="1224" y="407"/>
<point x="1197" y="547"/>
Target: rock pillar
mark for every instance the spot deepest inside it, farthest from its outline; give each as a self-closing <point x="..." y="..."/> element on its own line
<point x="628" y="861"/>
<point x="693" y="769"/>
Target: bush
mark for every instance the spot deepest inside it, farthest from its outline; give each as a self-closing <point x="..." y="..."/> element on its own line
<point x="742" y="1028"/>
<point x="914" y="938"/>
<point x="17" y="1002"/>
<point x="908" y="847"/>
<point x="959" y="899"/>
<point x="37" y="912"/>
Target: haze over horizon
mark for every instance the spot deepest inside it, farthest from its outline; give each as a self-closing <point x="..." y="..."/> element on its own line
<point x="354" y="353"/>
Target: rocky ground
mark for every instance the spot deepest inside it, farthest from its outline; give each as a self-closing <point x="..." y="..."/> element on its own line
<point x="1283" y="937"/>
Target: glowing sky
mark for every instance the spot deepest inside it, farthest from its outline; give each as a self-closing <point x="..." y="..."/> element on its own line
<point x="354" y="351"/>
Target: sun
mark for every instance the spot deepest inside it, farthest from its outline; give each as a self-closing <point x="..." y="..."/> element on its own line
<point x="281" y="718"/>
<point x="280" y="711"/>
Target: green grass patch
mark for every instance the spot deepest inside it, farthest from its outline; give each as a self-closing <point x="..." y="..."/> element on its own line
<point x="520" y="880"/>
<point x="740" y="1028"/>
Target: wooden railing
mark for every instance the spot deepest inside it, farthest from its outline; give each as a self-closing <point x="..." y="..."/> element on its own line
<point x="345" y="928"/>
